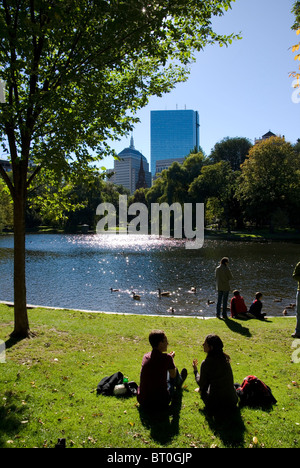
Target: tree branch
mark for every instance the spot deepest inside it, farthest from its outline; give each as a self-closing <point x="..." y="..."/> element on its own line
<point x="7" y="180"/>
<point x="35" y="173"/>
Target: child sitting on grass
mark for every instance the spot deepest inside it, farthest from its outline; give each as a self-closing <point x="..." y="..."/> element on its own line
<point x="237" y="304"/>
<point x="256" y="307"/>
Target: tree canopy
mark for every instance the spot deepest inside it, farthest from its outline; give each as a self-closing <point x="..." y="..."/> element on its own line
<point x="270" y="181"/>
<point x="264" y="191"/>
<point x="76" y="72"/>
<point x="74" y="68"/>
<point x="296" y="47"/>
<point x="233" y="150"/>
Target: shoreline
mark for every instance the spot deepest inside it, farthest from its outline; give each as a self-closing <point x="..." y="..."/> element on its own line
<point x="31" y="306"/>
<point x="234" y="236"/>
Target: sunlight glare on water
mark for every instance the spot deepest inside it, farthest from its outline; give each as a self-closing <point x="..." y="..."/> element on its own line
<point x="101" y="273"/>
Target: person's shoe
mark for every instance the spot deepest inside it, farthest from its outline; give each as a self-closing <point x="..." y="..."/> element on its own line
<point x="183" y="374"/>
<point x="295" y="335"/>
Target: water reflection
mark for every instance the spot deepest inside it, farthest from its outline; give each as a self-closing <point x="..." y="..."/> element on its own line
<point x="79" y="272"/>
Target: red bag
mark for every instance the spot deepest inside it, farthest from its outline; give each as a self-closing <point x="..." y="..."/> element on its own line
<point x="254" y="392"/>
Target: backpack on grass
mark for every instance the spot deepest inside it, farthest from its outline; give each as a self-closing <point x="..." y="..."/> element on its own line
<point x="254" y="392"/>
<point x="107" y="385"/>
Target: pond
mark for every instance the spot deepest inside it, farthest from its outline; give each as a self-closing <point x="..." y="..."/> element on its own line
<point x="78" y="272"/>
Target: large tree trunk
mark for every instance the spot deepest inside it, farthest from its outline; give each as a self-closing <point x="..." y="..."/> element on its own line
<point x="21" y="329"/>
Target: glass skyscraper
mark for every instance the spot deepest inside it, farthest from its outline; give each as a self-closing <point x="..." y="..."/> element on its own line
<point x="174" y="134"/>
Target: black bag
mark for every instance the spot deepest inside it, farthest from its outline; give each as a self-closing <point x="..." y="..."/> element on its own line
<point x="107" y="384"/>
<point x="253" y="392"/>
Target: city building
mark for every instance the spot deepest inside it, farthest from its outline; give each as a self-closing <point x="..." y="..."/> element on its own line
<point x="6" y="165"/>
<point x="268" y="135"/>
<point x="174" y="134"/>
<point x="141" y="182"/>
<point x="132" y="170"/>
<point x="163" y="164"/>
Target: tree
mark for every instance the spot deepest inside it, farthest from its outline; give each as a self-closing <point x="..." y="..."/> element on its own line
<point x="215" y="181"/>
<point x="193" y="163"/>
<point x="296" y="47"/>
<point x="270" y="183"/>
<point x="65" y="205"/>
<point x="76" y="71"/>
<point x="297" y="147"/>
<point x="233" y="150"/>
<point x="6" y="209"/>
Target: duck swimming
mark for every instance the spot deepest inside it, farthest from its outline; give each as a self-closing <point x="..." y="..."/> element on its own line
<point x="163" y="293"/>
<point x="135" y="296"/>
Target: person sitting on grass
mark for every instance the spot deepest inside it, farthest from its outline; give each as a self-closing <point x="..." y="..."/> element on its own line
<point x="216" y="384"/>
<point x="256" y="307"/>
<point x="159" y="379"/>
<point x="237" y="304"/>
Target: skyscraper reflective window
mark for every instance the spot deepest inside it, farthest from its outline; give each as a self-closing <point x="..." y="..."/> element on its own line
<point x="174" y="134"/>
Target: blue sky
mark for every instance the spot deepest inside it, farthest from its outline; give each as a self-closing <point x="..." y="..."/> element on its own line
<point x="243" y="90"/>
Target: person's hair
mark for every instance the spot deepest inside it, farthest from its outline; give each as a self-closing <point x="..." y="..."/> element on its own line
<point x="155" y="337"/>
<point x="216" y="345"/>
<point x="258" y="295"/>
<point x="224" y="260"/>
<point x="236" y="293"/>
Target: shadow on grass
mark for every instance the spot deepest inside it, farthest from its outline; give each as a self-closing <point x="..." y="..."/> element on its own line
<point x="163" y="425"/>
<point x="237" y="327"/>
<point x="10" y="419"/>
<point x="12" y="342"/>
<point x="228" y="426"/>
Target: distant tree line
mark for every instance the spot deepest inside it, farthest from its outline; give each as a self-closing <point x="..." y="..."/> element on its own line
<point x="240" y="184"/>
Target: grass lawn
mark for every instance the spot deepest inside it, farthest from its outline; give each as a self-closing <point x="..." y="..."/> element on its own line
<point x="47" y="384"/>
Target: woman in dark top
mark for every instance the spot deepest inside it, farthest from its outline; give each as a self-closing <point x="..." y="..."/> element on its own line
<point x="215" y="380"/>
<point x="256" y="307"/>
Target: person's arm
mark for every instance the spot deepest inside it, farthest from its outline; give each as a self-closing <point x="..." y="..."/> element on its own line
<point x="196" y="373"/>
<point x="217" y="278"/>
<point x="296" y="274"/>
<point x="172" y="371"/>
<point x="201" y="379"/>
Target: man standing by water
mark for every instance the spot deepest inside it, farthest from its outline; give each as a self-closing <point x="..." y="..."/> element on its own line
<point x="223" y="276"/>
<point x="296" y="276"/>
